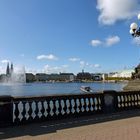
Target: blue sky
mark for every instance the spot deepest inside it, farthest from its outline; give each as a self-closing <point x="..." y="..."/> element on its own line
<point x="54" y="36"/>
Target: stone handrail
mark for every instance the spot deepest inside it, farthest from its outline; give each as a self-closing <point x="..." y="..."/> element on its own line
<point x="19" y="110"/>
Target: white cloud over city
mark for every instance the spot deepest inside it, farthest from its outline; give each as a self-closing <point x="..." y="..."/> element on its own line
<point x="5" y="61"/>
<point x="2" y="70"/>
<point x="83" y="64"/>
<point x="96" y="43"/>
<point x="88" y="65"/>
<point x="55" y="69"/>
<point x="109" y="41"/>
<point x="112" y="11"/>
<point x="48" y="57"/>
<point x="136" y="41"/>
<point x="34" y="71"/>
<point x="96" y="66"/>
<point x="74" y="59"/>
<point x="112" y="40"/>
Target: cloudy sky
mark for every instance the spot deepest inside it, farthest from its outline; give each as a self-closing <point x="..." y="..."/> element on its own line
<point x="55" y="36"/>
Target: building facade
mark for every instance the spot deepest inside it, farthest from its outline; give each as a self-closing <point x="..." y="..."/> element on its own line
<point x="30" y="77"/>
<point x="41" y="77"/>
<point x="84" y="76"/>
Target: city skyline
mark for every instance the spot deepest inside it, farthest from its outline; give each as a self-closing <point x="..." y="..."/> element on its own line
<point x="11" y="69"/>
<point x="67" y="36"/>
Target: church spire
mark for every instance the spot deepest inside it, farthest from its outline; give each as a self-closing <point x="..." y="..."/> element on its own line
<point x="12" y="69"/>
<point x="8" y="70"/>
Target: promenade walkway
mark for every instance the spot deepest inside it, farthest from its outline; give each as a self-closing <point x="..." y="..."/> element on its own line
<point x="117" y="126"/>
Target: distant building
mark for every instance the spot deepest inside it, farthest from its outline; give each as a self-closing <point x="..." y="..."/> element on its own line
<point x="104" y="76"/>
<point x="111" y="74"/>
<point x="12" y="68"/>
<point x="124" y="74"/>
<point x="3" y="78"/>
<point x="137" y="69"/>
<point x="84" y="76"/>
<point x="30" y="77"/>
<point x="53" y="77"/>
<point x="9" y="70"/>
<point x="67" y="77"/>
<point x="136" y="73"/>
<point x="97" y="76"/>
<point x="41" y="77"/>
<point x="61" y="77"/>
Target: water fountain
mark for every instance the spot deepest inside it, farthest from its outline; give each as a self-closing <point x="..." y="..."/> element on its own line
<point x="18" y="76"/>
<point x="14" y="77"/>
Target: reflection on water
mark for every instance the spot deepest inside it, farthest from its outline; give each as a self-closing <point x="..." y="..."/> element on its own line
<point x="37" y="89"/>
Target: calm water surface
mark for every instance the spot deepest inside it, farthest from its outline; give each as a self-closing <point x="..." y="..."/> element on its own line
<point x="39" y="89"/>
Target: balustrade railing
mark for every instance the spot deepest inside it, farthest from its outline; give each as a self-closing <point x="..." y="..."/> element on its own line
<point x="55" y="107"/>
<point x="128" y="100"/>
<point x="18" y="110"/>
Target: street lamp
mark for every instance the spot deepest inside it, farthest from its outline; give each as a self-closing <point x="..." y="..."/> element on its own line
<point x="134" y="29"/>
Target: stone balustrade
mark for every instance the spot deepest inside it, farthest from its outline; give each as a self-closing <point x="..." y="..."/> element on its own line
<point x="20" y="110"/>
<point x="55" y="107"/>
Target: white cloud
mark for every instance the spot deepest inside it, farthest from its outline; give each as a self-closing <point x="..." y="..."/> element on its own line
<point x="89" y="67"/>
<point x="112" y="40"/>
<point x="5" y="61"/>
<point x="95" y="43"/>
<point x="97" y="66"/>
<point x="65" y="66"/>
<point x="74" y="59"/>
<point x="136" y="41"/>
<point x="83" y="64"/>
<point x="2" y="70"/>
<point x="94" y="66"/>
<point x="33" y="70"/>
<point x="50" y="69"/>
<point x="49" y="57"/>
<point x="114" y="10"/>
<point x="19" y="69"/>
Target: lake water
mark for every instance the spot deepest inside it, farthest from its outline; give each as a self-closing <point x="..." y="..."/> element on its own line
<point x="38" y="89"/>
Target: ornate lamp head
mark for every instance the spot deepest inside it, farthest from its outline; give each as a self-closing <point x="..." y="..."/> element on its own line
<point x="134" y="29"/>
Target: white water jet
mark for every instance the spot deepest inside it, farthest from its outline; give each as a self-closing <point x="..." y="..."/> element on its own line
<point x="17" y="76"/>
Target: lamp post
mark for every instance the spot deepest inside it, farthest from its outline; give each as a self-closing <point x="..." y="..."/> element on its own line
<point x="134" y="29"/>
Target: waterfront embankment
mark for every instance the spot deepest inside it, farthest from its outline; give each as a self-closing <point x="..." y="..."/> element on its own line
<point x="132" y="85"/>
<point x="118" y="126"/>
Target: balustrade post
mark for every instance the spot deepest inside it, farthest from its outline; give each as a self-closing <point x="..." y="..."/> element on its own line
<point x="109" y="101"/>
<point x="6" y="110"/>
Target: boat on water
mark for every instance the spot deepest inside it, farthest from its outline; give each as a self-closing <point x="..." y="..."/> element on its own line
<point x="86" y="89"/>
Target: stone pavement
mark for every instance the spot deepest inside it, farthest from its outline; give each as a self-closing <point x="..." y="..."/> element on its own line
<point x="117" y="126"/>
